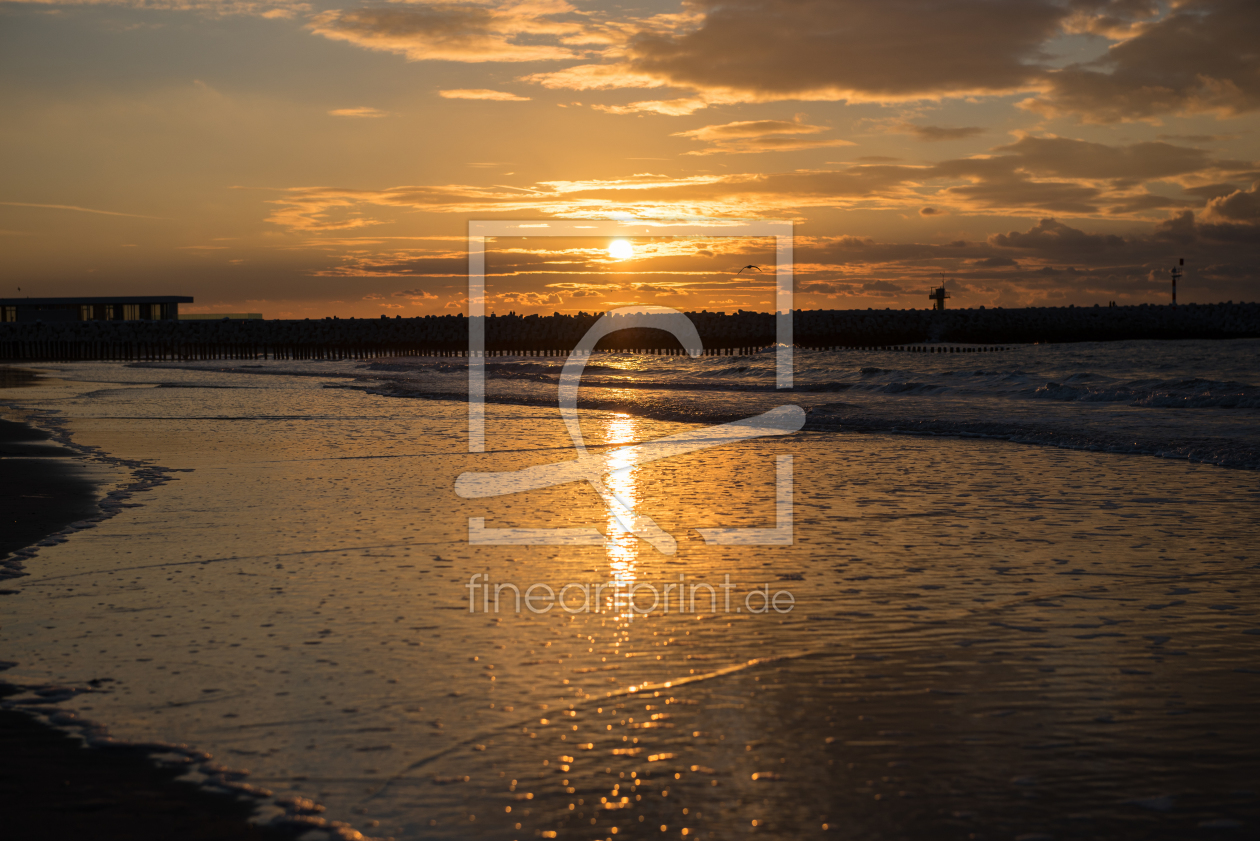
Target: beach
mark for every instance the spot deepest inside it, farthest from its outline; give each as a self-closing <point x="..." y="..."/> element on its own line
<point x="987" y="636"/>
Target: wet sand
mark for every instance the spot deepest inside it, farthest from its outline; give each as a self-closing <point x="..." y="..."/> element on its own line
<point x="42" y="489"/>
<point x="51" y="785"/>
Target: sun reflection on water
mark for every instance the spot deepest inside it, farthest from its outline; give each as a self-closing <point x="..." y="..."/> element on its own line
<point x="621" y="545"/>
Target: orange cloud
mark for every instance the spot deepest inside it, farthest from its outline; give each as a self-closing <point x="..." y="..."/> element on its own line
<point x="669" y="107"/>
<point x="759" y="136"/>
<point x="482" y="93"/>
<point x="1033" y="177"/>
<point x="358" y="112"/>
<point x="459" y="31"/>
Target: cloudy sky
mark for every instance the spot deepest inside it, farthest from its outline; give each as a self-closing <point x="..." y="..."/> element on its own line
<point x="303" y="159"/>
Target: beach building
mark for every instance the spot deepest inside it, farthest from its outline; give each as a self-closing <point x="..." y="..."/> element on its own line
<point x="134" y="308"/>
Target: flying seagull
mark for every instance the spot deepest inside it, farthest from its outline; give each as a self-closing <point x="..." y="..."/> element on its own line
<point x="754" y="268"/>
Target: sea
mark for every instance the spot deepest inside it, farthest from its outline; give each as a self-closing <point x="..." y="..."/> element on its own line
<point x="1008" y="594"/>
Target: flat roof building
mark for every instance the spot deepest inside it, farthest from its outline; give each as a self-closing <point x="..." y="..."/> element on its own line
<point x="133" y="308"/>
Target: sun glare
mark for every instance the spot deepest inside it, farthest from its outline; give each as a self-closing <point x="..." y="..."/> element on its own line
<point x="620" y="249"/>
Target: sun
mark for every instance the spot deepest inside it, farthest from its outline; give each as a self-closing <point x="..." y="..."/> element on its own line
<point x="620" y="249"/>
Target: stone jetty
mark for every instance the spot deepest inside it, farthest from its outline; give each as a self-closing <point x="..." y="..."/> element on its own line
<point x="534" y="335"/>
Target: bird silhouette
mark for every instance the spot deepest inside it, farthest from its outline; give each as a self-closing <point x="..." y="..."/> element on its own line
<point x="754" y="268"/>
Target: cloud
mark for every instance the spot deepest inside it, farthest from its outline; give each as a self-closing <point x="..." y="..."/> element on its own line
<point x="1200" y="57"/>
<point x="358" y="112"/>
<point x="215" y="8"/>
<point x="1185" y="57"/>
<point x="937" y="133"/>
<point x="1050" y="235"/>
<point x="930" y="211"/>
<point x="759" y="136"/>
<point x="750" y="128"/>
<point x="1067" y="158"/>
<point x="896" y="50"/>
<point x="594" y="77"/>
<point x="771" y="144"/>
<point x="1238" y="206"/>
<point x="74" y="208"/>
<point x="482" y="93"/>
<point x="531" y="299"/>
<point x="823" y="288"/>
<point x="1034" y="176"/>
<point x="669" y="107"/>
<point x="1180" y="229"/>
<point x="416" y="295"/>
<point x="525" y="30"/>
<point x="1197" y="138"/>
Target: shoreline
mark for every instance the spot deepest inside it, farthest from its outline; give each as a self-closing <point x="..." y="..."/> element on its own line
<point x="43" y="490"/>
<point x="53" y="785"/>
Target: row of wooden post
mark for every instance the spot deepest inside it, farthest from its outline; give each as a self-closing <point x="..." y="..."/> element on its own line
<point x="64" y="351"/>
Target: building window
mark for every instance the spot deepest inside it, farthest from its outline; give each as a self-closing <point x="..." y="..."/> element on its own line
<point x="109" y="312"/>
<point x="131" y="312"/>
<point x="85" y="312"/>
<point x="8" y="314"/>
<point x="155" y="312"/>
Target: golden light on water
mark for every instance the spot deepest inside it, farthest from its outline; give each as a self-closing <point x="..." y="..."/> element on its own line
<point x="620" y="249"/>
<point x="622" y="546"/>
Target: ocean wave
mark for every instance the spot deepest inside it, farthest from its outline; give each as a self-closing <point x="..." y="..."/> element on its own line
<point x="911" y="388"/>
<point x="1194" y="393"/>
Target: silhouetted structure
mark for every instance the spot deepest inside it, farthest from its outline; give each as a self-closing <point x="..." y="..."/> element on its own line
<point x="736" y="334"/>
<point x="1176" y="273"/>
<point x="938" y="296"/>
<point x="135" y="308"/>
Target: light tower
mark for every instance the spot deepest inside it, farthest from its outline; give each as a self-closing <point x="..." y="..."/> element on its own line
<point x="1176" y="273"/>
<point x="938" y="295"/>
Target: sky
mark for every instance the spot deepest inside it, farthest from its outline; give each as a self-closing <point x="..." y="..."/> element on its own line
<point x="307" y="159"/>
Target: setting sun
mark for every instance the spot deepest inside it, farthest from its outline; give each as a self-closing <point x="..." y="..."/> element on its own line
<point x="620" y="249"/>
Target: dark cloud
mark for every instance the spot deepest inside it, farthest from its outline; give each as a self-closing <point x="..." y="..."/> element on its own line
<point x="1142" y="203"/>
<point x="1067" y="158"/>
<point x="930" y="211"/>
<point x="1211" y="191"/>
<point x="934" y="133"/>
<point x="823" y="288"/>
<point x="1051" y="235"/>
<point x="531" y="299"/>
<point x="1196" y="138"/>
<point x="896" y="49"/>
<point x="1180" y="229"/>
<point x="1200" y="57"/>
<point x="1238" y="206"/>
<point x="415" y="293"/>
<point x="1232" y="219"/>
